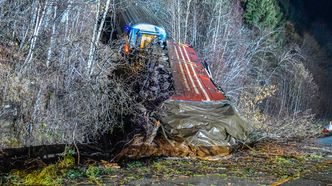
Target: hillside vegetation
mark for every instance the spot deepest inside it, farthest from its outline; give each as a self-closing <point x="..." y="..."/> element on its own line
<point x="58" y="84"/>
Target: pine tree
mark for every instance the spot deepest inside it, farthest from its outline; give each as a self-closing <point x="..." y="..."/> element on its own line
<point x="264" y="14"/>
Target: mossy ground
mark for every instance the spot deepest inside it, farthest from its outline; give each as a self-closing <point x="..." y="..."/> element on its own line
<point x="264" y="163"/>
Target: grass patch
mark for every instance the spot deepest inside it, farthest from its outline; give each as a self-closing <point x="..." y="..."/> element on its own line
<point x="51" y="174"/>
<point x="74" y="174"/>
<point x="93" y="174"/>
<point x="135" y="164"/>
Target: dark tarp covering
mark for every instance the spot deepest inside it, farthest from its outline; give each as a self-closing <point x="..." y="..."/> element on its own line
<point x="204" y="130"/>
<point x="204" y="123"/>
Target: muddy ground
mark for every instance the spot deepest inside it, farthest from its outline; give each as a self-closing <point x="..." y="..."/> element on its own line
<point x="266" y="163"/>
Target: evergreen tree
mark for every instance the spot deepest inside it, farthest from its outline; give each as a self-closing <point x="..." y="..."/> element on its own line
<point x="264" y="14"/>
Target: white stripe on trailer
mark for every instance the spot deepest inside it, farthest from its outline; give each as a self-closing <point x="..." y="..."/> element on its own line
<point x="188" y="72"/>
<point x="195" y="75"/>
<point x="181" y="69"/>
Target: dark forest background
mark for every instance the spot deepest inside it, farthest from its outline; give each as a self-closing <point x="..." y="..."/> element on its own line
<point x="315" y="18"/>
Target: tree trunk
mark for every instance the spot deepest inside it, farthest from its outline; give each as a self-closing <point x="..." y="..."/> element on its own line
<point x="38" y="25"/>
<point x="50" y="49"/>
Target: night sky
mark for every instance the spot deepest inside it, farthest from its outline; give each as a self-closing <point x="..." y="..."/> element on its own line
<point x="314" y="16"/>
<point x="311" y="11"/>
<point x="318" y="10"/>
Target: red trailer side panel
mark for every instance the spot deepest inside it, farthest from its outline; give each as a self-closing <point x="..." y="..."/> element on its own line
<point x="191" y="81"/>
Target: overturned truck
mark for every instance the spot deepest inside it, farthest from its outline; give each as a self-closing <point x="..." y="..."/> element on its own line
<point x="197" y="120"/>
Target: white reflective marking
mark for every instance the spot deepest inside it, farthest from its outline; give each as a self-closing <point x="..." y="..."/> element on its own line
<point x="198" y="80"/>
<point x="181" y="69"/>
<point x="188" y="72"/>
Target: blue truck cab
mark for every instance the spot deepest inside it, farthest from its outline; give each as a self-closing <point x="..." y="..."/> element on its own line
<point x="142" y="34"/>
